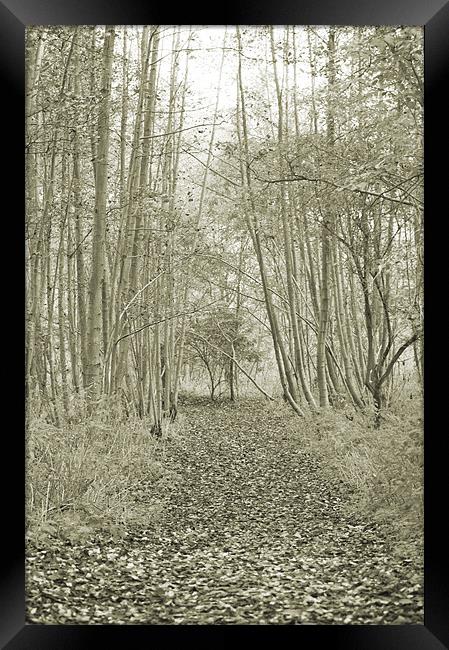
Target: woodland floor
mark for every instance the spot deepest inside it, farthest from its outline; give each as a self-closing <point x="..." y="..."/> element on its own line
<point x="250" y="532"/>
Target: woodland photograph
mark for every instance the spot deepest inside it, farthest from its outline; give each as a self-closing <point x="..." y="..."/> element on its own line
<point x="224" y="325"/>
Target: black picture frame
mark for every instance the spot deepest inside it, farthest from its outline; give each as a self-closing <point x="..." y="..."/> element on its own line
<point x="15" y="15"/>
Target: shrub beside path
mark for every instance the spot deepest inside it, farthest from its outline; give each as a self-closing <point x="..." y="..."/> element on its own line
<point x="249" y="532"/>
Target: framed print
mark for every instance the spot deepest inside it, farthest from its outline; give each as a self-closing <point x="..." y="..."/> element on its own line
<point x="230" y="413"/>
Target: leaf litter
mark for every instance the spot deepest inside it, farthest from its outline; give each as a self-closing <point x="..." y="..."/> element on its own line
<point x="249" y="531"/>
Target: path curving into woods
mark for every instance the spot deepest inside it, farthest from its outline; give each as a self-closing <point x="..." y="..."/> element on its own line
<point x="250" y="533"/>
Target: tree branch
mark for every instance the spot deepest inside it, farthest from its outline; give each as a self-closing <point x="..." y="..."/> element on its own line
<point x="396" y="356"/>
<point x="163" y="320"/>
<point x="187" y="128"/>
<point x="340" y="188"/>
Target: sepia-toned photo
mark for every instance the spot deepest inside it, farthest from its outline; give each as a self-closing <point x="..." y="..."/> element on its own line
<point x="224" y="325"/>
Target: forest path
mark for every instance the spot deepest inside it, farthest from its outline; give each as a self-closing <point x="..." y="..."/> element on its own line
<point x="250" y="533"/>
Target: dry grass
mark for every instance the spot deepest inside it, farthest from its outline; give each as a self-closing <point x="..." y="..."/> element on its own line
<point x="384" y="466"/>
<point x="103" y="472"/>
<point x="93" y="472"/>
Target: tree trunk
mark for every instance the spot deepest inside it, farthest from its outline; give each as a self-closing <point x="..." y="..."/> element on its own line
<point x="94" y="329"/>
<point x="326" y="240"/>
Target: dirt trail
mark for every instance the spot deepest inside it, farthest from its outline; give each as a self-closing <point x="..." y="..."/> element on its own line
<point x="250" y="533"/>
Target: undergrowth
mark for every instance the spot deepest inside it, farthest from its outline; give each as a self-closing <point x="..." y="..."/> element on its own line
<point x="106" y="471"/>
<point x="383" y="466"/>
<point x="97" y="472"/>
